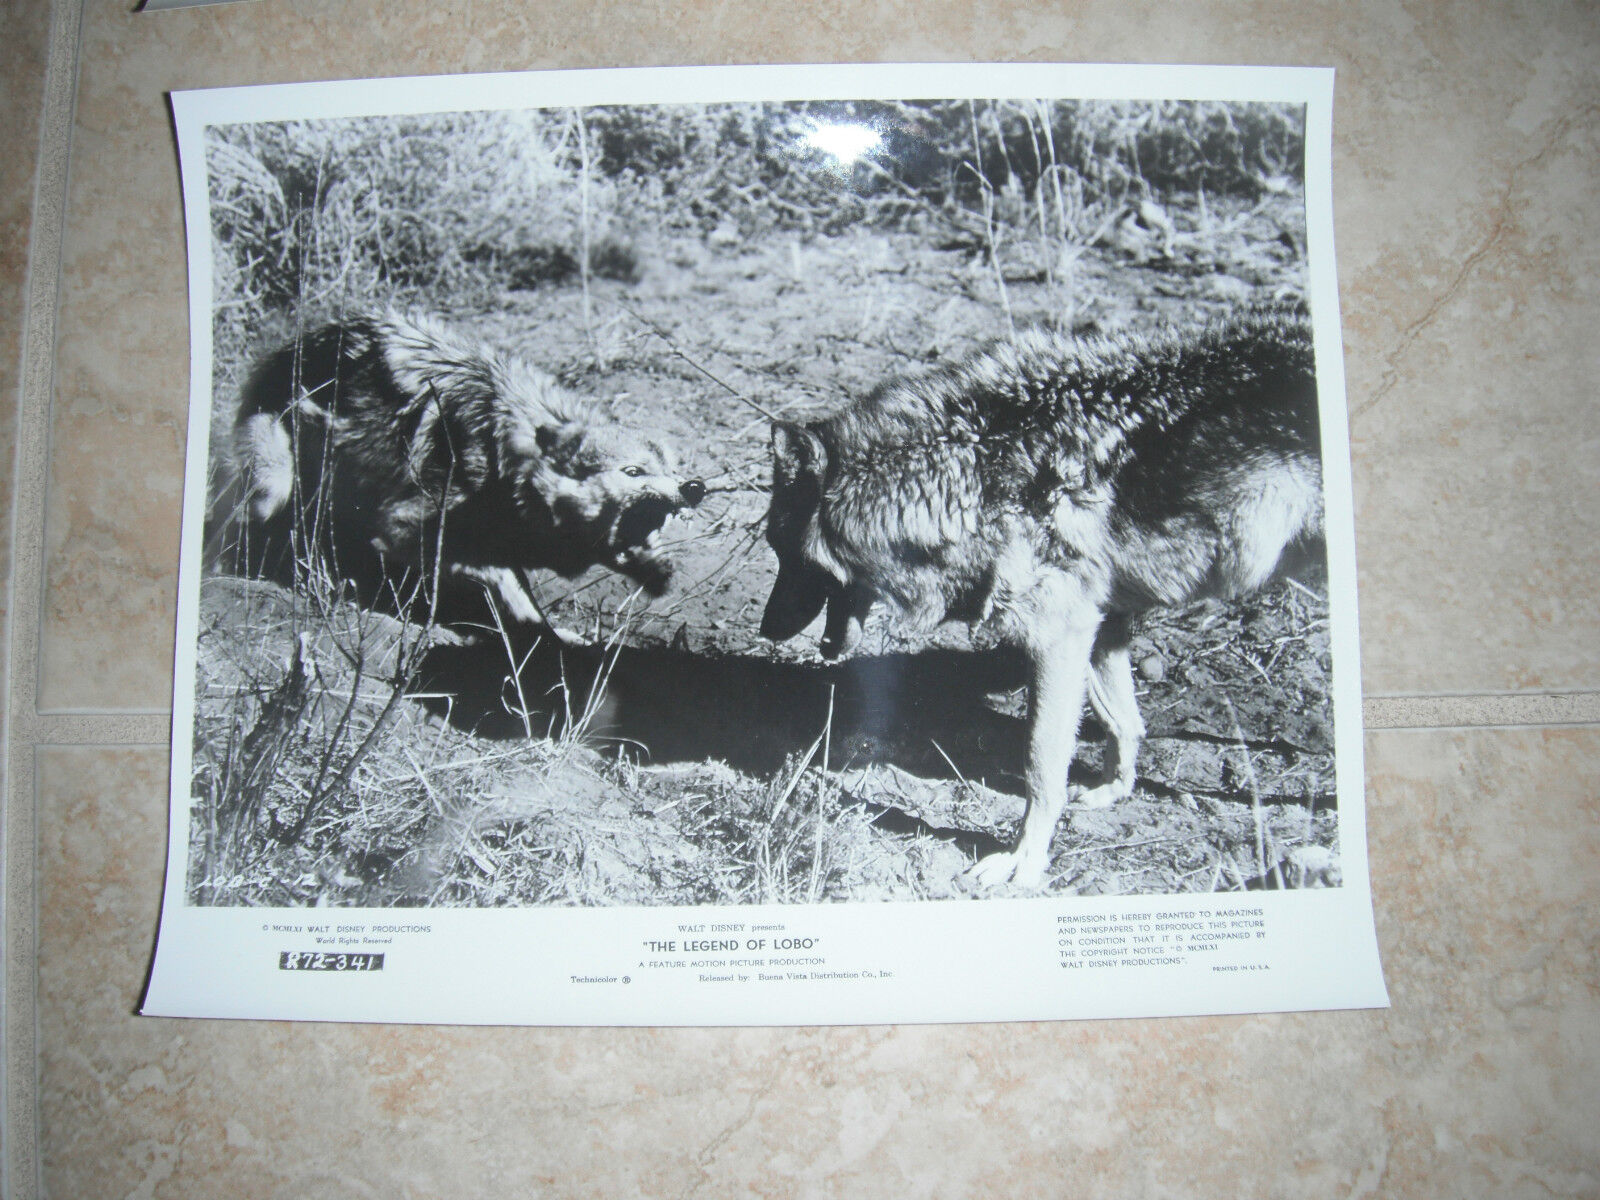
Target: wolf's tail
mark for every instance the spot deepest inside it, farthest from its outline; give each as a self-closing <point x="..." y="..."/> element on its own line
<point x="265" y="462"/>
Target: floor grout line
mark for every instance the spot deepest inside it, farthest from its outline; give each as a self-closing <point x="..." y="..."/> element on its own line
<point x="1503" y="727"/>
<point x="102" y="729"/>
<point x="20" y="1162"/>
<point x="1453" y="710"/>
<point x="1479" y="693"/>
<point x="1475" y="693"/>
<point x="1481" y="711"/>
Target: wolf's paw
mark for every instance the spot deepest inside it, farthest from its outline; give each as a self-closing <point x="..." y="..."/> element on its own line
<point x="995" y="870"/>
<point x="1103" y="796"/>
<point x="991" y="871"/>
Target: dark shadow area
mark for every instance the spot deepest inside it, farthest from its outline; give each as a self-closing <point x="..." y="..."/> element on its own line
<point x="346" y="569"/>
<point x="676" y="706"/>
<point x="932" y="713"/>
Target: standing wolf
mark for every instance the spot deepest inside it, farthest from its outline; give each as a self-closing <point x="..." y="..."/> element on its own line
<point x="406" y="456"/>
<point x="1056" y="488"/>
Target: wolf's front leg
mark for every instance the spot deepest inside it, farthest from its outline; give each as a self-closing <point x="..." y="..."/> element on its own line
<point x="1060" y="675"/>
<point x="509" y="588"/>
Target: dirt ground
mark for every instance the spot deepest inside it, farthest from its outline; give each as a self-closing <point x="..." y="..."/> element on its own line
<point x="677" y="757"/>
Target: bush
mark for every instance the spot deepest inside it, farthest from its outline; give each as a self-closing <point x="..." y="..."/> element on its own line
<point x="321" y="215"/>
<point x="318" y="215"/>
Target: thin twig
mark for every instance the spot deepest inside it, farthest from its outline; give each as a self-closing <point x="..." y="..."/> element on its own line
<point x="1255" y="793"/>
<point x="673" y="346"/>
<point x="583" y="230"/>
<point x="822" y="803"/>
<point x="948" y="759"/>
<point x="988" y="219"/>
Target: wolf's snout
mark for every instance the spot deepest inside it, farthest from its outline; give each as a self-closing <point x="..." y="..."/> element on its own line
<point x="693" y="491"/>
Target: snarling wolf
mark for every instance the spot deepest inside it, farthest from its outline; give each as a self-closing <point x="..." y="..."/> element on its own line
<point x="1055" y="488"/>
<point x="407" y="454"/>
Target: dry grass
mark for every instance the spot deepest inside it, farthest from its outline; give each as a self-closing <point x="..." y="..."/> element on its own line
<point x="426" y="813"/>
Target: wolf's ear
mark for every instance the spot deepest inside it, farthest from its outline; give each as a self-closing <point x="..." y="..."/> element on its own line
<point x="796" y="451"/>
<point x="548" y="437"/>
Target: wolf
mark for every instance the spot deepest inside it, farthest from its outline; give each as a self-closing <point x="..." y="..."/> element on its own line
<point x="1053" y="488"/>
<point x="407" y="456"/>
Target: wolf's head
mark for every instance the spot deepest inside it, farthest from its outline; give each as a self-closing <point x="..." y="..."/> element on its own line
<point x="810" y="575"/>
<point x="609" y="491"/>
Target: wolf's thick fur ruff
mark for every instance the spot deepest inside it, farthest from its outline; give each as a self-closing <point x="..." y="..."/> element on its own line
<point x="1055" y="488"/>
<point x="401" y="451"/>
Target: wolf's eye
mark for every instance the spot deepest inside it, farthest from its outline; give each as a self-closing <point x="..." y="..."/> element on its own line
<point x="633" y="472"/>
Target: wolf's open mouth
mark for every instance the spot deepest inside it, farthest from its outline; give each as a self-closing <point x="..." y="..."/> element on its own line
<point x="633" y="541"/>
<point x="639" y="523"/>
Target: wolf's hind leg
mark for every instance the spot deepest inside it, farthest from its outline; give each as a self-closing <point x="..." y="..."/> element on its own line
<point x="1112" y="696"/>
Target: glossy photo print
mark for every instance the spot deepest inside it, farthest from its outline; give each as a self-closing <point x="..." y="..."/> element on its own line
<point x="728" y="503"/>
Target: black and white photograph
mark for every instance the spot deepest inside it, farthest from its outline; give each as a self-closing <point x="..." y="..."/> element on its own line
<point x="762" y="503"/>
<point x="759" y="504"/>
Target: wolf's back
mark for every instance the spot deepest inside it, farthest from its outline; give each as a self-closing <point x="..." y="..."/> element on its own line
<point x="1056" y="415"/>
<point x="1066" y="413"/>
<point x="928" y="475"/>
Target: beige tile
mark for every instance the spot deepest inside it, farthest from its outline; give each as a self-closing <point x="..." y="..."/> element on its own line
<point x="121" y="378"/>
<point x="1480" y="1081"/>
<point x="1468" y="243"/>
<point x="23" y="53"/>
<point x="1465" y="169"/>
<point x="1469" y="248"/>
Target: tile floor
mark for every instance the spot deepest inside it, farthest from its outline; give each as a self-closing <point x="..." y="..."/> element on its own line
<point x="1467" y="154"/>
